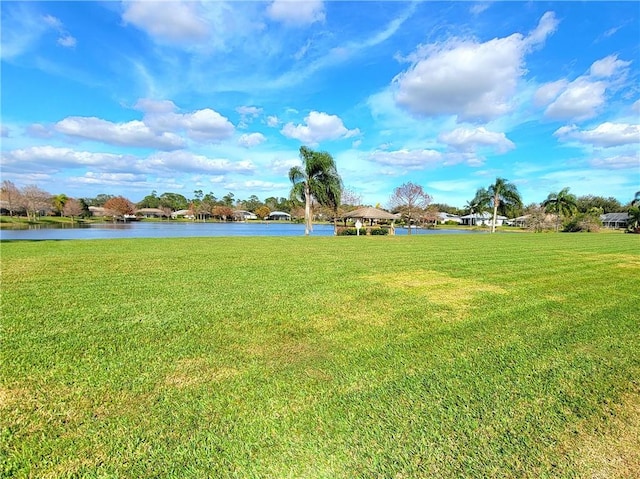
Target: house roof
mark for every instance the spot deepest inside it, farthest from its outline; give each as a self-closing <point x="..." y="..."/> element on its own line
<point x="369" y="213"/>
<point x="279" y="213"/>
<point x="614" y="217"/>
<point x="484" y="216"/>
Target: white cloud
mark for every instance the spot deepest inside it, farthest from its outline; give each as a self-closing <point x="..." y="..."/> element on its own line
<point x="296" y="13"/>
<point x="185" y="161"/>
<point x="37" y="130"/>
<point x="407" y="159"/>
<point x="273" y="121"/>
<point x="249" y="140"/>
<point x="249" y="111"/>
<point x="67" y="41"/>
<point x="257" y="185"/>
<point x="50" y="157"/>
<point x="472" y="80"/>
<point x="549" y="92"/>
<point x="178" y="21"/>
<point x="318" y="127"/>
<point x="583" y="97"/>
<point x="607" y="67"/>
<point x="469" y="139"/>
<point x="636" y="107"/>
<point x="618" y="162"/>
<point x="604" y="135"/>
<point x="133" y="133"/>
<point x="282" y="167"/>
<point x="580" y="100"/>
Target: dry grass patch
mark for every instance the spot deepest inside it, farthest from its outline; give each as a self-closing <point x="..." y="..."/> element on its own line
<point x="609" y="449"/>
<point x="456" y="294"/>
<point x="191" y="372"/>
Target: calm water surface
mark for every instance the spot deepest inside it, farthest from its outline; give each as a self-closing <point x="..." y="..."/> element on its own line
<point x="141" y="229"/>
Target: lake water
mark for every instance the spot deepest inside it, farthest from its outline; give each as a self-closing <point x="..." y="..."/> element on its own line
<point x="168" y="229"/>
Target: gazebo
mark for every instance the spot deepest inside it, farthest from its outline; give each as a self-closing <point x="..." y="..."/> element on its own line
<point x="370" y="214"/>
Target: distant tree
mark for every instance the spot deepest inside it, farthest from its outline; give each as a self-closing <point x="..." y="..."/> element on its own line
<point x="175" y="201"/>
<point x="479" y="204"/>
<point x="58" y="202"/>
<point x="262" y="211"/>
<point x="227" y="200"/>
<point x="445" y="208"/>
<point x="99" y="200"/>
<point x="317" y="180"/>
<point x="10" y="194"/>
<point x="150" y="201"/>
<point x="278" y="204"/>
<point x="222" y="212"/>
<point x="72" y="208"/>
<point x="608" y="205"/>
<point x="410" y="200"/>
<point x="561" y="204"/>
<point x="537" y="218"/>
<point x="252" y="204"/>
<point x="119" y="206"/>
<point x="35" y="201"/>
<point x="633" y="220"/>
<point x="502" y="195"/>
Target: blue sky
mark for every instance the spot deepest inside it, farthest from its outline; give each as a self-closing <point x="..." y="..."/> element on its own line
<point x="134" y="96"/>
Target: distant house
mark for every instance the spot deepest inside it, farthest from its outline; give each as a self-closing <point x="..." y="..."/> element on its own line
<point x="151" y="213"/>
<point x="444" y="217"/>
<point x="243" y="215"/>
<point x="482" y="219"/>
<point x="183" y="214"/>
<point x="97" y="211"/>
<point x="614" y="220"/>
<point x="279" y="216"/>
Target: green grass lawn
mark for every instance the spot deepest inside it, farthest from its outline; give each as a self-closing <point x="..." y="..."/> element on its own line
<point x="509" y="355"/>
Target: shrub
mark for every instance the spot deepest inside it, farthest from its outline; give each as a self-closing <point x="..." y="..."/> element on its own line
<point x="379" y="231"/>
<point x="583" y="222"/>
<point x="351" y="232"/>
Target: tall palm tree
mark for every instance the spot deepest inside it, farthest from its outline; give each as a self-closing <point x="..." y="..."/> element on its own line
<point x="561" y="203"/>
<point x="316" y="180"/>
<point x="503" y="194"/>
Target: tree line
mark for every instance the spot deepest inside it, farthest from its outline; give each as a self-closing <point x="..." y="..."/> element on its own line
<point x="318" y="193"/>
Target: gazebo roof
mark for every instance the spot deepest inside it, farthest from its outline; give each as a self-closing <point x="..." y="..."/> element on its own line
<point x="369" y="213"/>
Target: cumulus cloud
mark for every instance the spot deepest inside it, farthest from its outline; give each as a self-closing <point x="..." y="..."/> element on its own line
<point x="318" y="127"/>
<point x="604" y="135"/>
<point x="160" y="128"/>
<point x="273" y="121"/>
<point x="50" y="157"/>
<point x="472" y="80"/>
<point x="296" y="13"/>
<point x="186" y="161"/>
<point x="407" y="159"/>
<point x="469" y="139"/>
<point x="133" y="133"/>
<point x="249" y="140"/>
<point x="179" y="21"/>
<point x="249" y="111"/>
<point x="581" y="98"/>
<point x="617" y="162"/>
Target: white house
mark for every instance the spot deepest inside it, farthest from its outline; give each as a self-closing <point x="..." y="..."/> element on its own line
<point x="444" y="217"/>
<point x="183" y="214"/>
<point x="243" y="215"/>
<point x="279" y="215"/>
<point x="482" y="219"/>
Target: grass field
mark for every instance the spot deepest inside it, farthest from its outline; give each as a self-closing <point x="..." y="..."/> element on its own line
<point x="374" y="357"/>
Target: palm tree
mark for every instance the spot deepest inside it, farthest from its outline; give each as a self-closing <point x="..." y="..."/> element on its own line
<point x="502" y="194"/>
<point x="479" y="204"/>
<point x="561" y="203"/>
<point x="316" y="180"/>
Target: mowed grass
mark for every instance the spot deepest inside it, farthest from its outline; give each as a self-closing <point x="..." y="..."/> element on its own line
<point x="372" y="357"/>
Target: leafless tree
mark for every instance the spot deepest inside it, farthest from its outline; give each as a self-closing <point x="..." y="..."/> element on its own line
<point x="10" y="193"/>
<point x="410" y="200"/>
<point x="72" y="208"/>
<point x="119" y="206"/>
<point x="35" y="201"/>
